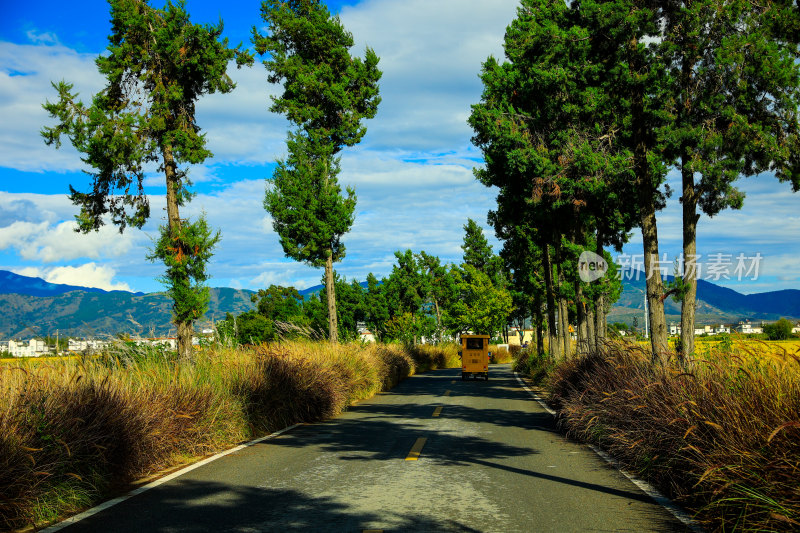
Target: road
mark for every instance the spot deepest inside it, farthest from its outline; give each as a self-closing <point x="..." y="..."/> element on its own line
<point x="488" y="458"/>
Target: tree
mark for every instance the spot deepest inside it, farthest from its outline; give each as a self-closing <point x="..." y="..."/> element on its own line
<point x="482" y="306"/>
<point x="632" y="77"/>
<point x="732" y="102"/>
<point x="478" y="251"/>
<point x="441" y="288"/>
<point x="309" y="213"/>
<point x="778" y="331"/>
<point x="279" y="304"/>
<point x="326" y="94"/>
<point x="157" y="66"/>
<point x="376" y="308"/>
<point x="407" y="291"/>
<point x="350" y="306"/>
<point x="549" y="135"/>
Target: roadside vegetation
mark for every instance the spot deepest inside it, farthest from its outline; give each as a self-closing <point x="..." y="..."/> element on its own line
<point x="74" y="432"/>
<point x="722" y="438"/>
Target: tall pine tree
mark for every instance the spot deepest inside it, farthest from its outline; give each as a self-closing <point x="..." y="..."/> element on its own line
<point x="157" y="66"/>
<point x="326" y="95"/>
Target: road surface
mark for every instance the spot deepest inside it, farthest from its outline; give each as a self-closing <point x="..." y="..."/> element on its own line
<point x="434" y="454"/>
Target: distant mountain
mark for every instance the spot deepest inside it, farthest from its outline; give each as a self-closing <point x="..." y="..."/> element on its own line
<point x="82" y="311"/>
<point x="715" y="304"/>
<point x="11" y="283"/>
<point x="316" y="289"/>
<point x="32" y="306"/>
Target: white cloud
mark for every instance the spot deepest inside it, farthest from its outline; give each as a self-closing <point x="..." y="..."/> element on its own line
<point x="43" y="38"/>
<point x="47" y="237"/>
<point x="87" y="275"/>
<point x="26" y="72"/>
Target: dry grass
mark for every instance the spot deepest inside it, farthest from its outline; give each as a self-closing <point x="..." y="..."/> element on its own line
<point x="500" y="355"/>
<point x="72" y="432"/>
<point x="723" y="438"/>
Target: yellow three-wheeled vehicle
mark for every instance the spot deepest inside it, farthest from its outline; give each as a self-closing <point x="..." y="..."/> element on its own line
<point x="475" y="356"/>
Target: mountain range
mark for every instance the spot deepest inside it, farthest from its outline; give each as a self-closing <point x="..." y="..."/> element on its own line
<point x="32" y="307"/>
<point x="715" y="304"/>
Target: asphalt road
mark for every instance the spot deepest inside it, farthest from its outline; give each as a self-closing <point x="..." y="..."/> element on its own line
<point x="489" y="460"/>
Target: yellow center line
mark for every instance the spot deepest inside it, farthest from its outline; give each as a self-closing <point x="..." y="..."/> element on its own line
<point x="437" y="411"/>
<point x="372" y="531"/>
<point x="413" y="455"/>
<point x="447" y="393"/>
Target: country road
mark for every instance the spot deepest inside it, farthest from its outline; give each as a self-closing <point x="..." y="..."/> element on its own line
<point x="434" y="454"/>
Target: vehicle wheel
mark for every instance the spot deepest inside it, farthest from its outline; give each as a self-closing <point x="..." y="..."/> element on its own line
<point x="486" y="377"/>
<point x="463" y="376"/>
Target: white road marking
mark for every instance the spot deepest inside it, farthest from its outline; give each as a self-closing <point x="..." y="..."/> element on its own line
<point x="144" y="488"/>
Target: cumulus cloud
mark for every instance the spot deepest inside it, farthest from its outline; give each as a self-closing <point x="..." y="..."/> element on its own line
<point x="87" y="275"/>
<point x="46" y="237"/>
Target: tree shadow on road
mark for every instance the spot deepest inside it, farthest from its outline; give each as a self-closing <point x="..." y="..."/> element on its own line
<point x="202" y="506"/>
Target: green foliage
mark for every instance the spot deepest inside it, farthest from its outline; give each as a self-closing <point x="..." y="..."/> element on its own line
<point x="478" y="251"/>
<point x="408" y="328"/>
<point x="157" y="65"/>
<point x="185" y="251"/>
<point x="281" y="304"/>
<point x="376" y="310"/>
<point x="326" y="91"/>
<point x="778" y="331"/>
<point x="326" y="95"/>
<point x="350" y="308"/>
<point x="482" y="306"/>
<point x="280" y="314"/>
<point x="304" y="198"/>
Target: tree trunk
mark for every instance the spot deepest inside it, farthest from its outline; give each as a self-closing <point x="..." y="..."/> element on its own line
<point x="184" y="327"/>
<point x="689" y="302"/>
<point x="590" y="328"/>
<point x="563" y="312"/>
<point x="690" y="218"/>
<point x="539" y="319"/>
<point x="583" y="332"/>
<point x="599" y="303"/>
<point x="554" y="346"/>
<point x="647" y="212"/>
<point x="563" y="323"/>
<point x="330" y="289"/>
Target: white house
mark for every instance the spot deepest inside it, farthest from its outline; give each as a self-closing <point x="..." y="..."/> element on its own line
<point x="167" y="342"/>
<point x="746" y="328"/>
<point x="31" y="348"/>
<point x="85" y="345"/>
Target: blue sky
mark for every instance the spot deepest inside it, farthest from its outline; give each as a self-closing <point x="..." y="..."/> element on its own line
<point x="412" y="173"/>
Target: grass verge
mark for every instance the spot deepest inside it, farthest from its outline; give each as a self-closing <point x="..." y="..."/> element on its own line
<point x="73" y="432"/>
<point x="722" y="438"/>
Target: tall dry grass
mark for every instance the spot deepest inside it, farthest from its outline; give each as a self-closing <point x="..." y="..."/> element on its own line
<point x="722" y="438"/>
<point x="72" y="432"/>
<point x="500" y="355"/>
